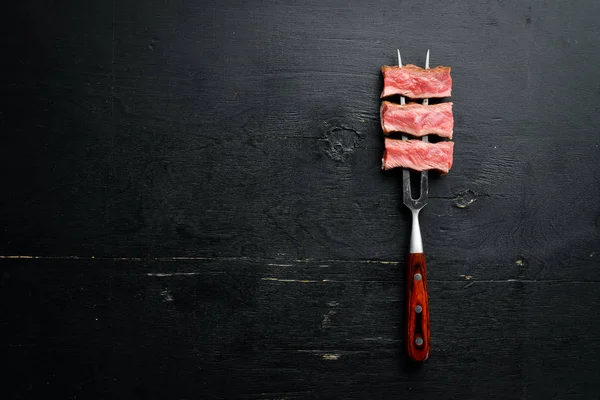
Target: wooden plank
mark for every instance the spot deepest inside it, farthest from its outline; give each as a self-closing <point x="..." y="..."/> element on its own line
<point x="243" y="329"/>
<point x="184" y="140"/>
<point x="336" y="211"/>
<point x="475" y="240"/>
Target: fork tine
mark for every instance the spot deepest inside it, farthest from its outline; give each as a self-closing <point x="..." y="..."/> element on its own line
<point x="425" y="174"/>
<point x="406" y="194"/>
<point x="409" y="200"/>
<point x="424" y="186"/>
<point x="402" y="99"/>
<point x="406" y="189"/>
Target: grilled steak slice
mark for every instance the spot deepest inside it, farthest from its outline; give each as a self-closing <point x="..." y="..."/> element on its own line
<point x="416" y="82"/>
<point x="416" y="119"/>
<point x="417" y="155"/>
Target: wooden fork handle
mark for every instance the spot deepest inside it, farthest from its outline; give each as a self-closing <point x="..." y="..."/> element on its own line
<point x="418" y="338"/>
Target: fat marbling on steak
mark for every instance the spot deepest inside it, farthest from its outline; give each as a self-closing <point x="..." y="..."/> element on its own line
<point x="417" y="155"/>
<point x="416" y="82"/>
<point x="417" y="119"/>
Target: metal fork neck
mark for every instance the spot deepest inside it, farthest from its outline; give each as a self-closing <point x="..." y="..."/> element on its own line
<point x="416" y="243"/>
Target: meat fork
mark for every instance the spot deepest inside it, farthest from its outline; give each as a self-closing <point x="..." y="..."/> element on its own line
<point x="418" y="334"/>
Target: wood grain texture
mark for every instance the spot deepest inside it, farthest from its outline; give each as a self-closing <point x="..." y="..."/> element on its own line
<point x="291" y="329"/>
<point x="418" y="335"/>
<point x="237" y="146"/>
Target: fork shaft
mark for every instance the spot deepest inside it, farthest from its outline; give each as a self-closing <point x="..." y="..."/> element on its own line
<point x="416" y="243"/>
<point x="418" y="338"/>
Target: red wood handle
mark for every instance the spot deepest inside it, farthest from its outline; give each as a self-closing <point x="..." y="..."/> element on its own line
<point x="418" y="338"/>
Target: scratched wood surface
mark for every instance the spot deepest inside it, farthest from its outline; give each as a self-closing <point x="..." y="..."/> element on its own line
<point x="192" y="204"/>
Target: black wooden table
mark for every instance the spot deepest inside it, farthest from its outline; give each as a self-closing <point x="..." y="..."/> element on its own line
<point x="192" y="203"/>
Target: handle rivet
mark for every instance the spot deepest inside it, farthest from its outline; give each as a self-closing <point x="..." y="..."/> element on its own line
<point x="419" y="341"/>
<point x="418" y="277"/>
<point x="418" y="309"/>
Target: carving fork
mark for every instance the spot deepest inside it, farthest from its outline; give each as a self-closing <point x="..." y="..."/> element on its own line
<point x="418" y="334"/>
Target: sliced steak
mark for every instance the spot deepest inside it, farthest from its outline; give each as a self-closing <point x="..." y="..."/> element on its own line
<point x="416" y="82"/>
<point x="416" y="119"/>
<point x="417" y="155"/>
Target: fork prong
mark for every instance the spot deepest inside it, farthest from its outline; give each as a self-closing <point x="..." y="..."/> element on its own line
<point x="406" y="195"/>
<point x="426" y="101"/>
<point x="425" y="174"/>
<point x="402" y="99"/>
<point x="406" y="189"/>
<point x="409" y="200"/>
<point x="424" y="186"/>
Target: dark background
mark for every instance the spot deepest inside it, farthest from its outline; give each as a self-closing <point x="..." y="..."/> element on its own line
<point x="192" y="203"/>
